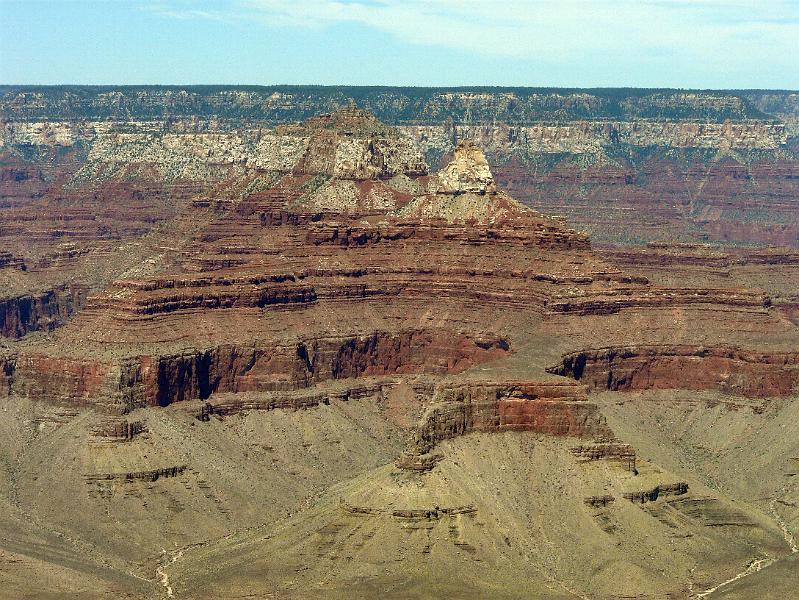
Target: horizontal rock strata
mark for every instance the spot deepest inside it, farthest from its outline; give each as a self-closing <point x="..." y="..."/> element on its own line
<point x="162" y="380"/>
<point x="730" y="370"/>
<point x="667" y="489"/>
<point x="43" y="311"/>
<point x="550" y="408"/>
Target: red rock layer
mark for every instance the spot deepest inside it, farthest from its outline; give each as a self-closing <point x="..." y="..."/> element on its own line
<point x="666" y="199"/>
<point x="543" y="407"/>
<point x="39" y="312"/>
<point x="60" y="380"/>
<point x="281" y="292"/>
<point x="730" y="370"/>
<point x="163" y="379"/>
<point x="599" y="302"/>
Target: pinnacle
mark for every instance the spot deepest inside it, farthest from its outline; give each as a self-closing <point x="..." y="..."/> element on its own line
<point x="467" y="172"/>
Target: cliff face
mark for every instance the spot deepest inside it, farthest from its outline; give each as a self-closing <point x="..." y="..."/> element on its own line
<point x="393" y="105"/>
<point x="39" y="312"/>
<point x="313" y="280"/>
<point x="673" y="367"/>
<point x="629" y="166"/>
<point x="308" y="320"/>
<point x="603" y="138"/>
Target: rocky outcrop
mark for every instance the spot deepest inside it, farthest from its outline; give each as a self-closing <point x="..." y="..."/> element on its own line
<point x="624" y="454"/>
<point x="39" y="312"/>
<point x="665" y="489"/>
<point x="352" y="144"/>
<point x="131" y="476"/>
<point x="730" y="370"/>
<point x="602" y="302"/>
<point x="467" y="172"/>
<point x="61" y="380"/>
<point x="8" y="363"/>
<point x="599" y="501"/>
<point x="433" y="513"/>
<point x="118" y="430"/>
<point x="458" y="409"/>
<point x="9" y="261"/>
<point x="225" y="404"/>
<point x="165" y="379"/>
<point x="542" y="235"/>
<point x="135" y="299"/>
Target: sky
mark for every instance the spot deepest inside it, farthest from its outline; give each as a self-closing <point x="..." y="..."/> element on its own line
<point x="718" y="44"/>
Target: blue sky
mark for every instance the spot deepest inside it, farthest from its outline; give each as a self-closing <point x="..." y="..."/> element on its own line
<point x="573" y="43"/>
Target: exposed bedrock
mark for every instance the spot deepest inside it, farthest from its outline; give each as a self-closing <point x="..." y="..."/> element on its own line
<point x="623" y="454"/>
<point x="228" y="368"/>
<point x="39" y="312"/>
<point x="604" y="302"/>
<point x="162" y="380"/>
<point x="552" y="408"/>
<point x="59" y="380"/>
<point x="666" y="489"/>
<point x="223" y="405"/>
<point x="552" y="237"/>
<point x="9" y="261"/>
<point x="7" y="366"/>
<point x="118" y="430"/>
<point x="730" y="370"/>
<point x="149" y="475"/>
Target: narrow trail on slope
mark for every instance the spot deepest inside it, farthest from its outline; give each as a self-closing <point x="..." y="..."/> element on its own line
<point x="163" y="577"/>
<point x="161" y="573"/>
<point x="753" y="567"/>
<point x="760" y="564"/>
<point x="786" y="533"/>
<point x="169" y="558"/>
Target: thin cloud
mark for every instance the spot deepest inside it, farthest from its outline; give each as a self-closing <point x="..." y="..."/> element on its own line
<point x="563" y="30"/>
<point x="184" y="14"/>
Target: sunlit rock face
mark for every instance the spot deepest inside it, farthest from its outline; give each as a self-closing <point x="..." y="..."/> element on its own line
<point x="468" y="172"/>
<point x="385" y="377"/>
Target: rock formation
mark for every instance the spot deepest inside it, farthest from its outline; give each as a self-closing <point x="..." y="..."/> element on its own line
<point x="468" y="172"/>
<point x="628" y="166"/>
<point x="324" y="346"/>
<point x="753" y="374"/>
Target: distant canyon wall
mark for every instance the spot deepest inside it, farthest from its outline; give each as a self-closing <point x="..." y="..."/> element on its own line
<point x="393" y="105"/>
<point x="626" y="166"/>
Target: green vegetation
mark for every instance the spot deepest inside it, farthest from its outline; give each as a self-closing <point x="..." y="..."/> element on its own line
<point x="393" y="105"/>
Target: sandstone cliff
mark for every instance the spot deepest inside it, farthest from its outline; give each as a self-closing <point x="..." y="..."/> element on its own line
<point x="629" y="166"/>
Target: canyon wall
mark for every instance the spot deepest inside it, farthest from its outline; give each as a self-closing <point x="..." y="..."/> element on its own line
<point x="285" y="104"/>
<point x="729" y="370"/>
<point x="164" y="379"/>
<point x="43" y="311"/>
<point x="628" y="166"/>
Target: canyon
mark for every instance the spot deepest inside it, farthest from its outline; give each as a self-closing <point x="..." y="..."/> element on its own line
<point x="410" y="343"/>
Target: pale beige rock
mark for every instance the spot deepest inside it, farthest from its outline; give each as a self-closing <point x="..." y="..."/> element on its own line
<point x="468" y="172"/>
